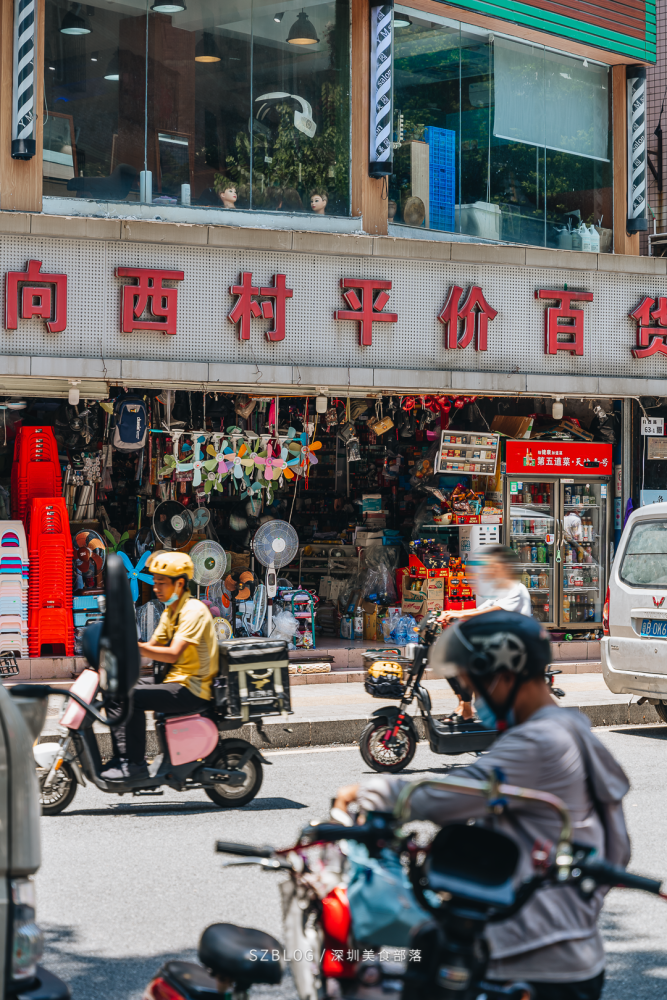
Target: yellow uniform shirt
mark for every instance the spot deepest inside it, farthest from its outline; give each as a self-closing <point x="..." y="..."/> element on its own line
<point x="198" y="663"/>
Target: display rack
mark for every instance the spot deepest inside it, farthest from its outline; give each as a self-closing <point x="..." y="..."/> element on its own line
<point x="464" y="451"/>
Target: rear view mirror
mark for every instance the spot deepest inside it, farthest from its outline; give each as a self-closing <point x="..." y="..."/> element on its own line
<point x="119" y="659"/>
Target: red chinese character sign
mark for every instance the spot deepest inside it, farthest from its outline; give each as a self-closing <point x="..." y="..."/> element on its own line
<point x="573" y="326"/>
<point x="650" y="336"/>
<point x="40" y="294"/>
<point x="368" y="309"/>
<point x="476" y="314"/>
<point x="148" y="292"/>
<point x="559" y="458"/>
<point x="246" y="306"/>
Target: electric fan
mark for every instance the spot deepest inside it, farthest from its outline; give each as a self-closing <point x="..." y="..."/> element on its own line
<point x="90" y="554"/>
<point x="275" y="544"/>
<point x="172" y="524"/>
<point x="210" y="562"/>
<point x="253" y="611"/>
<point x="223" y="629"/>
<point x="200" y="518"/>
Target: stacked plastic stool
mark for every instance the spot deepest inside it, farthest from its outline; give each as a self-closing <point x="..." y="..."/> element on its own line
<point x="50" y="620"/>
<point x="35" y="470"/>
<point x="14" y="568"/>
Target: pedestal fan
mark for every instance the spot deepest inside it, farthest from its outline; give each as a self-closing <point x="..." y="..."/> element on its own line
<point x="275" y="544"/>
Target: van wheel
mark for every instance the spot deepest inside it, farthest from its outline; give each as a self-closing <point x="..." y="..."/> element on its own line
<point x="661" y="709"/>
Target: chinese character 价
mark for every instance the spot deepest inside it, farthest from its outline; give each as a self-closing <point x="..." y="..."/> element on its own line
<point x="41" y="294"/>
<point x="553" y="329"/>
<point x="368" y="309"/>
<point x="148" y="292"/>
<point x="476" y="320"/>
<point x="246" y="307"/>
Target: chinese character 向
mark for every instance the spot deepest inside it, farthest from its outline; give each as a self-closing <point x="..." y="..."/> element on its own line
<point x="246" y="307"/>
<point x="564" y="311"/>
<point x="47" y="299"/>
<point x="148" y="291"/>
<point x="476" y="320"/>
<point x="367" y="310"/>
<point x="650" y="339"/>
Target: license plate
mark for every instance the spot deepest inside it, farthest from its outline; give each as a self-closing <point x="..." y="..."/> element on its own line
<point x="654" y="629"/>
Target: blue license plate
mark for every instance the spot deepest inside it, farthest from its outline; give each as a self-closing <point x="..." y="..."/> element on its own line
<point x="654" y="629"/>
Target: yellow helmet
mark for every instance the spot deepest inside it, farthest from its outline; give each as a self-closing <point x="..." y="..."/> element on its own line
<point x="168" y="563"/>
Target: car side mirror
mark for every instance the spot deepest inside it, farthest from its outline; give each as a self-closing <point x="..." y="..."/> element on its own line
<point x="119" y="660"/>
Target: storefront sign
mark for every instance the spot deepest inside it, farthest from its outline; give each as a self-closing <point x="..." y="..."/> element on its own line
<point x="475" y="314"/>
<point x="148" y="292"/>
<point x="367" y="310"/>
<point x="567" y="458"/>
<point x="653" y="426"/>
<point x="41" y="294"/>
<point x="554" y="328"/>
<point x="246" y="307"/>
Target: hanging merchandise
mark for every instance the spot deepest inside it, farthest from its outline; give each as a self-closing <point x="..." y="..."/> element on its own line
<point x="131" y="425"/>
<point x="90" y="553"/>
<point x="223" y="463"/>
<point x="172" y="524"/>
<point x="210" y="563"/>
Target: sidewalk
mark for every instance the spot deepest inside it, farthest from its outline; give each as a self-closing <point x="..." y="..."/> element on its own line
<point x="335" y="713"/>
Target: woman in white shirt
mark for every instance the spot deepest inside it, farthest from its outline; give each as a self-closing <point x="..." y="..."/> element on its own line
<point x="495" y="568"/>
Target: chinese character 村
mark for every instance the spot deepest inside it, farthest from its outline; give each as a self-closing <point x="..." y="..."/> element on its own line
<point x="476" y="314"/>
<point x="367" y="310"/>
<point x="41" y="294"/>
<point x="573" y="328"/>
<point x="246" y="307"/>
<point x="148" y="292"/>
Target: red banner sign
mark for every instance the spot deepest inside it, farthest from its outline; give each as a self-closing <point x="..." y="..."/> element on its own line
<point x="558" y="458"/>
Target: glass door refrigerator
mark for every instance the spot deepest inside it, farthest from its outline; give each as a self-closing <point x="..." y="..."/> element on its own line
<point x="559" y="526"/>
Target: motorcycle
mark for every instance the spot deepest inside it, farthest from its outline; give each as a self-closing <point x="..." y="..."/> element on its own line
<point x="464" y="879"/>
<point x="193" y="752"/>
<point x="389" y="741"/>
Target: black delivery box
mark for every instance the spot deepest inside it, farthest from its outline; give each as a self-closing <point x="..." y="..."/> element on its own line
<point x="253" y="679"/>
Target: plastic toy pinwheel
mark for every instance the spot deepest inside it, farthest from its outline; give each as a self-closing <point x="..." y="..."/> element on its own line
<point x="136" y="573"/>
<point x="172" y="464"/>
<point x="273" y="464"/>
<point x="221" y="465"/>
<point x="303" y="454"/>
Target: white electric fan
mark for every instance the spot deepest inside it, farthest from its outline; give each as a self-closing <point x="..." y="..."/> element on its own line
<point x="210" y="562"/>
<point x="253" y="612"/>
<point x="275" y="544"/>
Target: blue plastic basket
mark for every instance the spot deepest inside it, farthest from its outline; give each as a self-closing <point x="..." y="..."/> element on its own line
<point x="442" y="176"/>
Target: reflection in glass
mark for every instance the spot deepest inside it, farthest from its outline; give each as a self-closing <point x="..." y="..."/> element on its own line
<point x="232" y="108"/>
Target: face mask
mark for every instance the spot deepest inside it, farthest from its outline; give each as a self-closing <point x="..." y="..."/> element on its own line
<point x="171" y="600"/>
<point x="488" y="717"/>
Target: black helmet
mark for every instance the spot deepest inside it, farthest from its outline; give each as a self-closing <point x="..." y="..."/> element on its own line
<point x="485" y="644"/>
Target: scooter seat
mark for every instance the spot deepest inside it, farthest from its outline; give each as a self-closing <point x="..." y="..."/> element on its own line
<point x="242" y="954"/>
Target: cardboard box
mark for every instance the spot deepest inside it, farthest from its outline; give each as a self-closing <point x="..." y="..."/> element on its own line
<point x="416" y="568"/>
<point x="512" y="427"/>
<point x="369" y="609"/>
<point x="435" y="594"/>
<point x="413" y="602"/>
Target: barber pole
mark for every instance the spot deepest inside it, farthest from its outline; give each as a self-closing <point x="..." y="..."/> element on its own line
<point x="381" y="93"/>
<point x="23" y="97"/>
<point x="637" y="220"/>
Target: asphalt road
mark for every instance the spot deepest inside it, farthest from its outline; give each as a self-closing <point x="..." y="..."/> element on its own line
<point x="126" y="883"/>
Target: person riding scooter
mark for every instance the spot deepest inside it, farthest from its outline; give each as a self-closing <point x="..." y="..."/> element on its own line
<point x="553" y="942"/>
<point x="184" y="640"/>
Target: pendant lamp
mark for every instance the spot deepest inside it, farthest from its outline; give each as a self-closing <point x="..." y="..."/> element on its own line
<point x="175" y="7"/>
<point x="112" y="71"/>
<point x="206" y="51"/>
<point x="74" y="24"/>
<point x="302" y="31"/>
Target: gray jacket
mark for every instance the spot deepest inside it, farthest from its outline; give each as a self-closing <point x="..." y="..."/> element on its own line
<point x="547" y="753"/>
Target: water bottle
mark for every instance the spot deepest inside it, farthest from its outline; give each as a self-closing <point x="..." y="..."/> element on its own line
<point x="595" y="239"/>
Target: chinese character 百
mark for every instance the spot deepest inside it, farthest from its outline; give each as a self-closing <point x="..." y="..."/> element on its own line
<point x="367" y="310"/>
<point x="650" y="339"/>
<point x="476" y="320"/>
<point x="41" y="294"/>
<point x="148" y="292"/>
<point x="246" y="307"/>
<point x="553" y="329"/>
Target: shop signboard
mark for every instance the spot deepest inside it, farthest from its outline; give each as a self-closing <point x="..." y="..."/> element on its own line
<point x="568" y="459"/>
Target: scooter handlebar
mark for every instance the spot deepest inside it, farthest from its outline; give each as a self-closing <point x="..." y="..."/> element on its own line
<point x="605" y="874"/>
<point x="245" y="850"/>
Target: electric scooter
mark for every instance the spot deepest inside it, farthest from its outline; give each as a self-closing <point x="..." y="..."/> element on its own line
<point x="389" y="741"/>
<point x="193" y="753"/>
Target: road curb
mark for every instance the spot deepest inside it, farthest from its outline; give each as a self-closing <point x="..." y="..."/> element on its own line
<point x="278" y="734"/>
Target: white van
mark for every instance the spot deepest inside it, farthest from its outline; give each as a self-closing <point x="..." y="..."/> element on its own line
<point x="634" y="647"/>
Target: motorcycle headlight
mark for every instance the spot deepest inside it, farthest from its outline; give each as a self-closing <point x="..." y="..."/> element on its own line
<point x="27" y="940"/>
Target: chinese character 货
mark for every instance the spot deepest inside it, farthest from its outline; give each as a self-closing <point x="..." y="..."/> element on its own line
<point x="148" y="292"/>
<point x="246" y="307"/>
<point x="650" y="339"/>
<point x="41" y="294"/>
<point x="368" y="309"/>
<point x="553" y="329"/>
<point x="476" y="320"/>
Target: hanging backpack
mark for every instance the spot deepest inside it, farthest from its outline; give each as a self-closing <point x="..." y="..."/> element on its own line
<point x="131" y="427"/>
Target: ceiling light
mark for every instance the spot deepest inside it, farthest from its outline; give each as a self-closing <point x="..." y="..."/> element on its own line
<point x="74" y="24"/>
<point x="302" y="31"/>
<point x="278" y="17"/>
<point x="52" y="68"/>
<point x="206" y="51"/>
<point x="94" y="57"/>
<point x="402" y="21"/>
<point x="112" y="72"/>
<point x="175" y="7"/>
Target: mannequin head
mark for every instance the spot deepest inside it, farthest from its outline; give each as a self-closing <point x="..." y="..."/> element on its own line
<point x="227" y="191"/>
<point x="318" y="202"/>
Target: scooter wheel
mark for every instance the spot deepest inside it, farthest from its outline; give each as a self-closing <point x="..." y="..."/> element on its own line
<point x="61" y="792"/>
<point x="378" y="755"/>
<point x="234" y="796"/>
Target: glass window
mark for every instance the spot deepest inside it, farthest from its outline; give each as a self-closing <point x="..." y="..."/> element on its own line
<point x="645" y="558"/>
<point x="515" y="139"/>
<point x="210" y="104"/>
